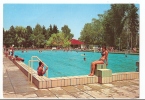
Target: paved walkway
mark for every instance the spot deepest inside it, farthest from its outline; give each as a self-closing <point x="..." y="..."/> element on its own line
<point x="16" y="85"/>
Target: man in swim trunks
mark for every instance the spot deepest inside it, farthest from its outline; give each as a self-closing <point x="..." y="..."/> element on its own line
<point x="40" y="70"/>
<point x="102" y="60"/>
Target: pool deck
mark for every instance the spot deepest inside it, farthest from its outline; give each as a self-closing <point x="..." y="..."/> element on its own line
<point x="16" y="85"/>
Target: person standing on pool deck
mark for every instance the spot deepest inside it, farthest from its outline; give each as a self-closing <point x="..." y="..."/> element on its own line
<point x="40" y="70"/>
<point x="102" y="60"/>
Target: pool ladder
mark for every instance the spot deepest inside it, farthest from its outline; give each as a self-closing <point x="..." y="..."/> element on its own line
<point x="30" y="69"/>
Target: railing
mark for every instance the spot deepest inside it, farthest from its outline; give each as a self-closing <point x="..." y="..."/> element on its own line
<point x="31" y="66"/>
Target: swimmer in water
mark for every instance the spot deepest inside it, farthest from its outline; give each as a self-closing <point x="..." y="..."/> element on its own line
<point x="84" y="59"/>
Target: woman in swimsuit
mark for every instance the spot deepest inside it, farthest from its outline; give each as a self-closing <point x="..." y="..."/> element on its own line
<point x="102" y="60"/>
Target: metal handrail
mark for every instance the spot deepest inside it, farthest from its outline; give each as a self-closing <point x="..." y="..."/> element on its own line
<point x="41" y="61"/>
<point x="31" y="64"/>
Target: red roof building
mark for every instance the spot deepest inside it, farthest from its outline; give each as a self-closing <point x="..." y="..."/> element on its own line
<point x="76" y="43"/>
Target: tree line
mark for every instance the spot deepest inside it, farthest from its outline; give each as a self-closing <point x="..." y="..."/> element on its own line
<point x="38" y="37"/>
<point x="117" y="27"/>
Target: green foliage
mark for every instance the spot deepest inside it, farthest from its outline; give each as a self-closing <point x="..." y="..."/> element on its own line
<point x="55" y="29"/>
<point x="38" y="36"/>
<point x="20" y="36"/>
<point x="86" y="33"/>
<point x="92" y="33"/>
<point x="28" y="40"/>
<point x="65" y="29"/>
<point x="121" y="21"/>
<point x="50" y="30"/>
<point x="58" y="40"/>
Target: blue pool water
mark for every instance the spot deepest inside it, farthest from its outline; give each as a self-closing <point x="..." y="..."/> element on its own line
<point x="71" y="63"/>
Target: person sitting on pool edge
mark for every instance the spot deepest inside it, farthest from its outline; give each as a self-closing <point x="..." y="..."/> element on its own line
<point x="40" y="70"/>
<point x="102" y="60"/>
<point x="18" y="58"/>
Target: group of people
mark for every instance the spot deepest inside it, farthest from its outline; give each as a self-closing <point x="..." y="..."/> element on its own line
<point x="10" y="52"/>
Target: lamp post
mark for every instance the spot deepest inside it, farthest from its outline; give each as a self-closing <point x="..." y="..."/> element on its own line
<point x="119" y="44"/>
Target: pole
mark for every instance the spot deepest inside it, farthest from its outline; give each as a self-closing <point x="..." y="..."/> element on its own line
<point x="119" y="44"/>
<point x="127" y="37"/>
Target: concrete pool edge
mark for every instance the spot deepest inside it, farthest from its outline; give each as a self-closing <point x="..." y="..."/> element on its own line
<point x="43" y="82"/>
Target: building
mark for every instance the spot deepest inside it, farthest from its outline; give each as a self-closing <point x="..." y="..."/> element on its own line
<point x="77" y="44"/>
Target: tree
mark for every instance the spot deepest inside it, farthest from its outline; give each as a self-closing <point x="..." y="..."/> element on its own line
<point x="97" y="35"/>
<point x="108" y="29"/>
<point x="6" y="38"/>
<point x="55" y="29"/>
<point x="29" y="41"/>
<point x="92" y="33"/>
<point x="86" y="33"/>
<point x="113" y="23"/>
<point x="133" y="22"/>
<point x="39" y="39"/>
<point x="50" y="30"/>
<point x="44" y="31"/>
<point x="130" y="26"/>
<point x="11" y="35"/>
<point x="65" y="41"/>
<point x="65" y="29"/>
<point x="58" y="40"/>
<point x="114" y="28"/>
<point x="20" y="36"/>
<point x="116" y="22"/>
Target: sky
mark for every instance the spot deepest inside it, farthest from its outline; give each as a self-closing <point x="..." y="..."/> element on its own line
<point x="73" y="15"/>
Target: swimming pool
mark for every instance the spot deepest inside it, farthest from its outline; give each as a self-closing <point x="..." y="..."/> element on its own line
<point x="71" y="63"/>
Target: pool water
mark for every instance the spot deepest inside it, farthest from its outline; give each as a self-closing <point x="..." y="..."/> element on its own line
<point x="71" y="63"/>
